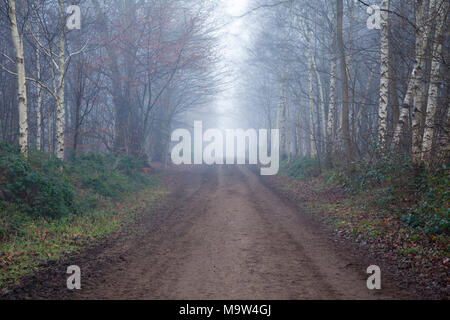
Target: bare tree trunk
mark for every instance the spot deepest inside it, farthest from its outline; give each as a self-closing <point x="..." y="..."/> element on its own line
<point x="76" y="135"/>
<point x="282" y="116"/>
<point x="345" y="93"/>
<point x="349" y="5"/>
<point x="422" y="43"/>
<point x="60" y="89"/>
<point x="443" y="151"/>
<point x="385" y="76"/>
<point x="298" y="140"/>
<point x="49" y="129"/>
<point x="394" y="92"/>
<point x="21" y="79"/>
<point x="362" y="110"/>
<point x="166" y="137"/>
<point x="311" y="98"/>
<point x="331" y="108"/>
<point x="299" y="127"/>
<point x="39" y="102"/>
<point x="349" y="53"/>
<point x="322" y="116"/>
<point x="289" y="135"/>
<point x="416" y="76"/>
<point x="397" y="75"/>
<point x="436" y="80"/>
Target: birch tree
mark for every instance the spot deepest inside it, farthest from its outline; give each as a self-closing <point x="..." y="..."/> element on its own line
<point x="59" y="62"/>
<point x="380" y="106"/>
<point x="384" y="78"/>
<point x="344" y="76"/>
<point x="422" y="43"/>
<point x="21" y="78"/>
<point x="436" y="80"/>
<point x="414" y="84"/>
<point x="60" y="86"/>
<point x="332" y="106"/>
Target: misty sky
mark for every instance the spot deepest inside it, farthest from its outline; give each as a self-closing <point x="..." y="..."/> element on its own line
<point x="233" y="40"/>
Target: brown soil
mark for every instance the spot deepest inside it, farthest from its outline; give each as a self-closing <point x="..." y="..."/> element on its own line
<point x="222" y="235"/>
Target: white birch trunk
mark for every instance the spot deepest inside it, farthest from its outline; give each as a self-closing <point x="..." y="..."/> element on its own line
<point x="21" y="79"/>
<point x="384" y="79"/>
<point x="332" y="106"/>
<point x="414" y="83"/>
<point x="421" y="44"/>
<point x="60" y="89"/>
<point x="436" y="80"/>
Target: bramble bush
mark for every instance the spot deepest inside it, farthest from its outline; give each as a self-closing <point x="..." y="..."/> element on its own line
<point x="301" y="168"/>
<point x="421" y="198"/>
<point x="388" y="169"/>
<point x="38" y="185"/>
<point x="432" y="212"/>
<point x="41" y="186"/>
<point x="108" y="176"/>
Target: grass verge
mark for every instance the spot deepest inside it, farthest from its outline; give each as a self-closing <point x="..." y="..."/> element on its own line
<point x="44" y="240"/>
<point x="50" y="208"/>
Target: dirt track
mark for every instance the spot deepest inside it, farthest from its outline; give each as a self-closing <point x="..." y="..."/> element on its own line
<point x="230" y="238"/>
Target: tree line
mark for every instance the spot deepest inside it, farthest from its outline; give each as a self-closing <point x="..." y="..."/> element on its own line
<point x="341" y="90"/>
<point x="115" y="85"/>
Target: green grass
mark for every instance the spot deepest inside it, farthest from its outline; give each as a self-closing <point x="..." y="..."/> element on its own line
<point x="49" y="208"/>
<point x="389" y="184"/>
<point x="42" y="240"/>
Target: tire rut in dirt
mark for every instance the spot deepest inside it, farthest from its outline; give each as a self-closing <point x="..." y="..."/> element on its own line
<point x="149" y="264"/>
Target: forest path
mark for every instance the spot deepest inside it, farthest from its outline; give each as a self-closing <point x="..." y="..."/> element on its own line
<point x="232" y="238"/>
